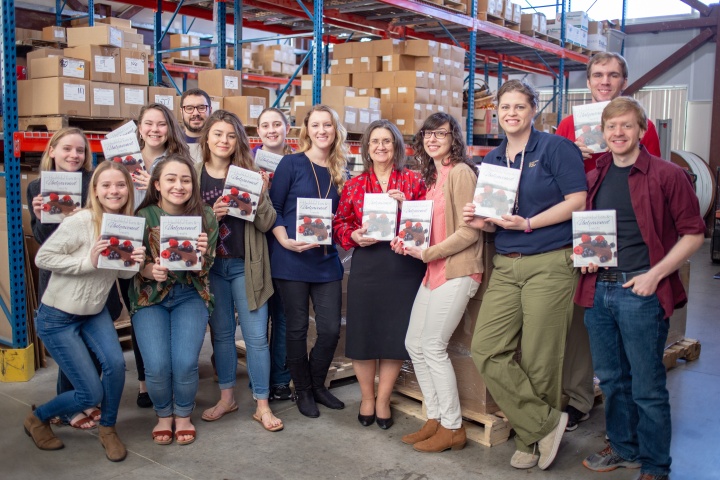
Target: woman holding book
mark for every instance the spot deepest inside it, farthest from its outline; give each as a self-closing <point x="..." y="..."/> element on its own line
<point x="72" y="319"/>
<point x="240" y="277"/>
<point x="382" y="285"/>
<point x="529" y="300"/>
<point x="272" y="129"/>
<point x="303" y="269"/>
<point x="170" y="308"/>
<point x="454" y="271"/>
<point x="67" y="151"/>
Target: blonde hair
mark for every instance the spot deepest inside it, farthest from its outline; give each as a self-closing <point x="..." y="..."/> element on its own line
<point x="337" y="160"/>
<point x="47" y="163"/>
<point x="621" y="106"/>
<point x="94" y="205"/>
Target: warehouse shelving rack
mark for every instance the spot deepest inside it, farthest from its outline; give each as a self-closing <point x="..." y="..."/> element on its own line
<point x="501" y="52"/>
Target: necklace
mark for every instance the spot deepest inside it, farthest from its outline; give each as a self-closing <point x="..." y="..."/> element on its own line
<point x="522" y="162"/>
<point x="317" y="182"/>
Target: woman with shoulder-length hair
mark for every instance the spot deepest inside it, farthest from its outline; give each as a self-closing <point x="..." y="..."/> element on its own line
<point x="308" y="271"/>
<point x="382" y="285"/>
<point x="454" y="271"/>
<point x="240" y="277"/>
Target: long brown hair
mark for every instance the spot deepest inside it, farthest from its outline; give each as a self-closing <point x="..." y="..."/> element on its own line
<point x="242" y="156"/>
<point x="47" y="163"/>
<point x="458" y="149"/>
<point x="337" y="160"/>
<point x="175" y="143"/>
<point x="93" y="204"/>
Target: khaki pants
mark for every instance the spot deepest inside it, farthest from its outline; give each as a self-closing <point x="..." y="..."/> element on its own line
<point x="578" y="388"/>
<point x="529" y="297"/>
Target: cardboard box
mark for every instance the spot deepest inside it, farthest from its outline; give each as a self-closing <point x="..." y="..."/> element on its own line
<point x="103" y="62"/>
<point x="362" y="80"/>
<point x="428" y="64"/>
<point x="41" y="53"/>
<point x="133" y="38"/>
<point x="517" y="12"/>
<point x="300" y="101"/>
<point x="421" y="48"/>
<point x="221" y="82"/>
<point x="597" y="42"/>
<point x="369" y="92"/>
<point x="257" y="92"/>
<point x="490" y="7"/>
<point x="104" y="35"/>
<point x="530" y="22"/>
<point x="22" y="34"/>
<point x="485" y="122"/>
<point x="105" y="100"/>
<point x="165" y="96"/>
<point x="114" y="21"/>
<point x="507" y="10"/>
<point x="678" y="320"/>
<point x="59" y="67"/>
<point x="132" y="99"/>
<point x="269" y="66"/>
<point x="54" y="34"/>
<point x="53" y="96"/>
<point x="371" y="103"/>
<point x="248" y="109"/>
<point x="577" y="19"/>
<point x="363" y="49"/>
<point x="405" y="95"/>
<point x="342" y="50"/>
<point x="181" y="40"/>
<point x="391" y="46"/>
<point x="364" y="118"/>
<point x="134" y="67"/>
<point x="338" y="80"/>
<point x="411" y="79"/>
<point x="349" y="118"/>
<point x="396" y="63"/>
<point x="457" y="54"/>
<point x="216" y="103"/>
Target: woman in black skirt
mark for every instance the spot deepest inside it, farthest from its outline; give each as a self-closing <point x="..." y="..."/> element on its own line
<point x="382" y="285"/>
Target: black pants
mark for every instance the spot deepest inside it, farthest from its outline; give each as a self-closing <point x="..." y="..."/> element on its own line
<point x="327" y="302"/>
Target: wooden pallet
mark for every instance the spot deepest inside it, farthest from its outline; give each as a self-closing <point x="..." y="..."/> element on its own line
<point x="253" y="71"/>
<point x="188" y="62"/>
<point x="487" y="430"/>
<point x="534" y="34"/>
<point x="36" y="43"/>
<point x="686" y="349"/>
<point x="122" y="327"/>
<point x="54" y="123"/>
<point x="491" y="18"/>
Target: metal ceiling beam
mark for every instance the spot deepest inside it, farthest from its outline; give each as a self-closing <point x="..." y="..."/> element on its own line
<point x="699" y="6"/>
<point x="655" y="27"/>
<point x="671" y="61"/>
<point x="130" y="12"/>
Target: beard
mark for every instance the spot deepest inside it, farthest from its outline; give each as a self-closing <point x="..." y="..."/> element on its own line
<point x="190" y="128"/>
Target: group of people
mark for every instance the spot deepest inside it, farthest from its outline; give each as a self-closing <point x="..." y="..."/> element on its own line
<point x="403" y="302"/>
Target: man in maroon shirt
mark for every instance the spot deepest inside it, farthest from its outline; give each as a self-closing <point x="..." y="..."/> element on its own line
<point x="607" y="75"/>
<point x="628" y="307"/>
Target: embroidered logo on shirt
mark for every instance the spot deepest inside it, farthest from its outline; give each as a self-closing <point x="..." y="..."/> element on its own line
<point x="533" y="163"/>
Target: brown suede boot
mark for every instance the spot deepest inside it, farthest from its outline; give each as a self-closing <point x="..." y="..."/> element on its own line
<point x="427" y="431"/>
<point x="41" y="433"/>
<point x="443" y="439"/>
<point x="114" y="449"/>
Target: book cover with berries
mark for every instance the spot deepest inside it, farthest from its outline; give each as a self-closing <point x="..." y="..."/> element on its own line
<point x="587" y="119"/>
<point x="495" y="190"/>
<point x="61" y="195"/>
<point x="125" y="234"/>
<point x="125" y="150"/>
<point x="314" y="221"/>
<point x="242" y="192"/>
<point x="266" y="160"/>
<point x="178" y="242"/>
<point x="595" y="238"/>
<point x="379" y="216"/>
<point x="416" y="223"/>
<point x="124" y="129"/>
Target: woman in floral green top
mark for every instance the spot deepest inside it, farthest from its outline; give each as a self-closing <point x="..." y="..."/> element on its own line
<point x="170" y="308"/>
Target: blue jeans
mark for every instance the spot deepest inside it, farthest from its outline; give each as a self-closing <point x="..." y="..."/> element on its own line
<point x="279" y="373"/>
<point x="69" y="339"/>
<point x="170" y="335"/>
<point x="627" y="340"/>
<point x="227" y="284"/>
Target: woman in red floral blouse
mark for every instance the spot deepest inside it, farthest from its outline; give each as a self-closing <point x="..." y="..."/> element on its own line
<point x="382" y="285"/>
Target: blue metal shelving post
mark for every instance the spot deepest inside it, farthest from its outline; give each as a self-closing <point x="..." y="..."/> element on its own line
<point x="221" y="30"/>
<point x="157" y="36"/>
<point x="237" y="26"/>
<point x="16" y="312"/>
<point x="471" y="76"/>
<point x="317" y="51"/>
<point x="561" y="66"/>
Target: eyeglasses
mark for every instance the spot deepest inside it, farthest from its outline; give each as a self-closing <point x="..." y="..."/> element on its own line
<point x="192" y="108"/>
<point x="439" y="134"/>
<point x="385" y="142"/>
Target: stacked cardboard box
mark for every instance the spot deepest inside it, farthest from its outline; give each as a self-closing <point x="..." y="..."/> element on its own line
<point x="597" y="41"/>
<point x="275" y="59"/>
<point x="533" y="23"/>
<point x="247" y="108"/>
<point x="578" y="34"/>
<point x="184" y="40"/>
<point x="247" y="57"/>
<point x="490" y="7"/>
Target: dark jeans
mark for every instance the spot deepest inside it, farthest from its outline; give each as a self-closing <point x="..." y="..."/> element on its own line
<point x="125" y="286"/>
<point x="627" y="340"/>
<point x="279" y="373"/>
<point x="327" y="301"/>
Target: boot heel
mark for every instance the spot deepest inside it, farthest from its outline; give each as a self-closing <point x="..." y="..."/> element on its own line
<point x="458" y="447"/>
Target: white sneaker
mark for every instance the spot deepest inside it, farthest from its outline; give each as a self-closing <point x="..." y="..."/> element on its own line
<point x="550" y="443"/>
<point x="524" y="459"/>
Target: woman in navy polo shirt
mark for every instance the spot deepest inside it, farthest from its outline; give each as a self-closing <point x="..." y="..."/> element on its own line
<point x="304" y="270"/>
<point x="529" y="301"/>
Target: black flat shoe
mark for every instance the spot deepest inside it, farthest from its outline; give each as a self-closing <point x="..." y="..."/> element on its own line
<point x="366" y="420"/>
<point x="306" y="403"/>
<point x="323" y="396"/>
<point x="143" y="400"/>
<point x="384" y="423"/>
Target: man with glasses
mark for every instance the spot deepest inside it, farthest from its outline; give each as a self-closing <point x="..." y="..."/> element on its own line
<point x="196" y="108"/>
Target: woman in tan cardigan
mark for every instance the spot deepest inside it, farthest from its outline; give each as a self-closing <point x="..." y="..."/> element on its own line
<point x="454" y="271"/>
<point x="240" y="278"/>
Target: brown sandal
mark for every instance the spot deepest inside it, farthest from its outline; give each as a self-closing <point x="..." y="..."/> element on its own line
<point x="80" y="423"/>
<point x="263" y="412"/>
<point x="210" y="416"/>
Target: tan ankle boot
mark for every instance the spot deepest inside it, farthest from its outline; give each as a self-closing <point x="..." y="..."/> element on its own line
<point x="443" y="439"/>
<point x="41" y="433"/>
<point x="114" y="449"/>
<point x="427" y="431"/>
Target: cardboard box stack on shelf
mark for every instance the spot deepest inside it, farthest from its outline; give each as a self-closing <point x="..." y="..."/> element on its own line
<point x="412" y="79"/>
<point x="225" y="89"/>
<point x="246" y="54"/>
<point x="274" y="59"/>
<point x="576" y="28"/>
<point x="180" y="40"/>
<point x="532" y="23"/>
<point x="100" y="74"/>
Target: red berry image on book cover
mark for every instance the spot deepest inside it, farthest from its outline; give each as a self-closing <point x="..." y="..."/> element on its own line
<point x="61" y="194"/>
<point x="594" y="238"/>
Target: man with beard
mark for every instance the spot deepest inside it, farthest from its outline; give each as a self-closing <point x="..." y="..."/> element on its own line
<point x="196" y="108"/>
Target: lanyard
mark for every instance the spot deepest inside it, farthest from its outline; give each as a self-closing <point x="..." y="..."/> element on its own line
<point x="522" y="162"/>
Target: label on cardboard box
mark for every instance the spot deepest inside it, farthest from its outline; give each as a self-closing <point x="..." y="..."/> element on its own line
<point x="167" y="100"/>
<point x="116" y="37"/>
<point x="364" y="59"/>
<point x="231" y="83"/>
<point x="73" y="68"/>
<point x="349" y="61"/>
<point x="215" y="105"/>
<point x="300" y="104"/>
<point x="364" y="116"/>
<point x="59" y="33"/>
<point x="350" y="116"/>
<point x="74" y="92"/>
<point x="384" y="91"/>
<point x="256" y="110"/>
<point x="104" y="64"/>
<point x="103" y="96"/>
<point x="135" y="66"/>
<point x="134" y="96"/>
<point x="402" y="89"/>
<point x="400" y="121"/>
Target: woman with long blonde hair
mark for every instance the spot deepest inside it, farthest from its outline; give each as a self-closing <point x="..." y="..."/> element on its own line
<point x="308" y="271"/>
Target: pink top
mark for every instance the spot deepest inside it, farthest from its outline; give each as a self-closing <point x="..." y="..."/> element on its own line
<point x="435" y="273"/>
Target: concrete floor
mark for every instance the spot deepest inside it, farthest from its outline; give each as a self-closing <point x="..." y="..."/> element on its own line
<point x="336" y="446"/>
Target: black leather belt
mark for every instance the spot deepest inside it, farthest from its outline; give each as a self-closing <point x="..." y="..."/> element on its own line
<point x="520" y="255"/>
<point x="608" y="276"/>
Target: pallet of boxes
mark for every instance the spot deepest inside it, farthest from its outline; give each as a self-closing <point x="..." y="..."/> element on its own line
<point x="226" y="92"/>
<point x="101" y="75"/>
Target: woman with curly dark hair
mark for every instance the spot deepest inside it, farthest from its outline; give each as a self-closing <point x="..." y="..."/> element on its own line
<point x="454" y="271"/>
